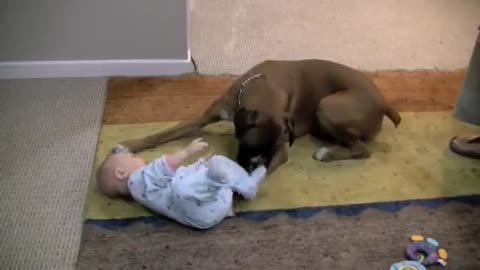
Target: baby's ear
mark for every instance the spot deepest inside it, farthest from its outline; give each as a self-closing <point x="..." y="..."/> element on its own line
<point x="120" y="174"/>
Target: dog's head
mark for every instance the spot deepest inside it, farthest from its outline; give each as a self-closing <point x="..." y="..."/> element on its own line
<point x="259" y="136"/>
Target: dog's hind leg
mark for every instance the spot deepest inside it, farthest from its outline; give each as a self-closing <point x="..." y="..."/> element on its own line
<point x="342" y="118"/>
<point x="181" y="130"/>
<point x="348" y="143"/>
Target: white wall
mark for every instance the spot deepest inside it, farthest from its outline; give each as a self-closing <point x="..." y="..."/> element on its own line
<point x="103" y="33"/>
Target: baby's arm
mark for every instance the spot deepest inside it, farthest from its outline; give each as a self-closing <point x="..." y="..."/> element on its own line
<point x="165" y="167"/>
<point x="175" y="160"/>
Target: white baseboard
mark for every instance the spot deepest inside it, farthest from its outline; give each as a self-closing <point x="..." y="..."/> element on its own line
<point x="94" y="68"/>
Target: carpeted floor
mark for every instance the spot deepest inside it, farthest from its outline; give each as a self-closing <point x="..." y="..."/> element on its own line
<point x="371" y="240"/>
<point x="322" y="240"/>
<point x="373" y="35"/>
<point x="49" y="131"/>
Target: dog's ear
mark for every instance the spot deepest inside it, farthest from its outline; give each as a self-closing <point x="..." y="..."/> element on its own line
<point x="289" y="130"/>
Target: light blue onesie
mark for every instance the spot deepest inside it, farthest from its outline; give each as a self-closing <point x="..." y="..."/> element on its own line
<point x="199" y="195"/>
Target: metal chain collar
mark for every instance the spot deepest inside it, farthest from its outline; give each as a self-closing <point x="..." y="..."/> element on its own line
<point x="245" y="83"/>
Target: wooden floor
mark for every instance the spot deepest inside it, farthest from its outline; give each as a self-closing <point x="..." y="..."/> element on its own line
<point x="172" y="99"/>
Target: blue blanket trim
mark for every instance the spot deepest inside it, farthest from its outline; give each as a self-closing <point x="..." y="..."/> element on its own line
<point x="301" y="213"/>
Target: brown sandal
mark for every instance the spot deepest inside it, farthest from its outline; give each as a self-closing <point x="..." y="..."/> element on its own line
<point x="468" y="146"/>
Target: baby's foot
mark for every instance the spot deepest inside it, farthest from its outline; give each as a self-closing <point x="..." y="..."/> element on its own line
<point x="259" y="173"/>
<point x="120" y="149"/>
<point x="256" y="162"/>
<point x="250" y="192"/>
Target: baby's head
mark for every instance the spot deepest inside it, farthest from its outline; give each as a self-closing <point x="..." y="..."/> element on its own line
<point x="113" y="173"/>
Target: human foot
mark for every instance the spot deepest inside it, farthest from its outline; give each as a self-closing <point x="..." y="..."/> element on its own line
<point x="468" y="146"/>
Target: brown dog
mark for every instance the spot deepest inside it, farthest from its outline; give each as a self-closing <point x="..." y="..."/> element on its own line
<point x="278" y="101"/>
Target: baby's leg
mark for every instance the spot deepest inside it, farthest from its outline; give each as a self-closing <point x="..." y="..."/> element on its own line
<point x="223" y="169"/>
<point x="247" y="185"/>
<point x="258" y="175"/>
<point x="228" y="172"/>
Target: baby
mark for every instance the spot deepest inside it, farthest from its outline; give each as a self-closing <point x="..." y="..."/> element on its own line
<point x="199" y="195"/>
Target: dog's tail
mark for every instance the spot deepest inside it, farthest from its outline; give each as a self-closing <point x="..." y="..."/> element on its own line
<point x="393" y="116"/>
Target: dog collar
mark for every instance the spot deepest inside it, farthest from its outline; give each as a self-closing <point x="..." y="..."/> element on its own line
<point x="245" y="83"/>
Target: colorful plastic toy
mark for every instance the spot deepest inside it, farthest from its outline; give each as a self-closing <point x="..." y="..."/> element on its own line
<point x="408" y="265"/>
<point x="420" y="253"/>
<point x="426" y="251"/>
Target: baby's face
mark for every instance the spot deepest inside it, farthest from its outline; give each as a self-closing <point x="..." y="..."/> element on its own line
<point x="113" y="174"/>
<point x="128" y="162"/>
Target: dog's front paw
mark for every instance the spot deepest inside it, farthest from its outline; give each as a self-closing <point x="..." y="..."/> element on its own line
<point x="323" y="154"/>
<point x="120" y="149"/>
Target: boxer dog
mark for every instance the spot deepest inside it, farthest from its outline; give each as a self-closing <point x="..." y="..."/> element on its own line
<point x="276" y="102"/>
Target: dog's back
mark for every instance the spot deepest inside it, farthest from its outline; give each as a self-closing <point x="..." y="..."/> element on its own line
<point x="306" y="82"/>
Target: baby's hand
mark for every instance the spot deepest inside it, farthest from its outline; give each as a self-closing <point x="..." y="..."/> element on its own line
<point x="196" y="146"/>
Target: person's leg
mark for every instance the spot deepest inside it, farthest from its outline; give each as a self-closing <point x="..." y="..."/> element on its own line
<point x="228" y="172"/>
<point x="219" y="169"/>
<point x="248" y="186"/>
<point x="467" y="108"/>
<point x="258" y="175"/>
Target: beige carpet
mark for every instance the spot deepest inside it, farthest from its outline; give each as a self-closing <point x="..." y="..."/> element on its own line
<point x="48" y="136"/>
<point x="229" y="36"/>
